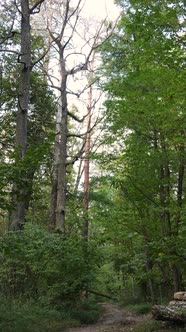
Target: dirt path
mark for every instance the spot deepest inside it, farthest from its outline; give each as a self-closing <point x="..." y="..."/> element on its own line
<point x="114" y="319"/>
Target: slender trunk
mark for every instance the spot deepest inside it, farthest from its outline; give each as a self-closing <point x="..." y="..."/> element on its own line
<point x="79" y="175"/>
<point x="181" y="172"/>
<point x="53" y="201"/>
<point x="87" y="171"/>
<point x="61" y="186"/>
<point x="87" y="153"/>
<point x="17" y="217"/>
<point x="177" y="277"/>
<point x="165" y="192"/>
<point x="148" y="265"/>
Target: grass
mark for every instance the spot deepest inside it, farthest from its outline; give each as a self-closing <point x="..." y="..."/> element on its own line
<point x="141" y="308"/>
<point x="150" y="326"/>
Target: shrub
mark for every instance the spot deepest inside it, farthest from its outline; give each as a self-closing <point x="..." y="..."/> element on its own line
<point x="37" y="264"/>
<point x="16" y="316"/>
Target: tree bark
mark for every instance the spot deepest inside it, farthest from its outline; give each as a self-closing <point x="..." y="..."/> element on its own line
<point x="169" y="313"/>
<point x="53" y="199"/>
<point x="61" y="185"/>
<point x="87" y="169"/>
<point x="181" y="172"/>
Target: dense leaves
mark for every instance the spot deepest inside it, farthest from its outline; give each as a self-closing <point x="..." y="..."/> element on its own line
<point x="145" y="109"/>
<point x="37" y="263"/>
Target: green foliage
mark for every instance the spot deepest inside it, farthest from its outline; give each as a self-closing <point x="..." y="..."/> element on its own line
<point x="29" y="316"/>
<point x="17" y="316"/>
<point x="38" y="264"/>
<point x="50" y="269"/>
<point x="145" y="111"/>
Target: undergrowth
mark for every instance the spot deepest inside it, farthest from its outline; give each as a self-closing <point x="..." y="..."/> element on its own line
<point x="18" y="316"/>
<point x="150" y="326"/>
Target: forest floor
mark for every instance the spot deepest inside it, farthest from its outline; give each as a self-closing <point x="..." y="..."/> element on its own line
<point x="118" y="319"/>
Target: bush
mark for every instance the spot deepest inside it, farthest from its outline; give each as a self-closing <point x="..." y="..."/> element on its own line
<point x="37" y="264"/>
<point x="19" y="316"/>
<point x="16" y="316"/>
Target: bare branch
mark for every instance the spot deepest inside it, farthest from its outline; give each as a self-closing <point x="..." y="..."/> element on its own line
<point x="72" y="33"/>
<point x="42" y="57"/>
<point x="75" y="23"/>
<point x="78" y="155"/>
<point x="54" y="39"/>
<point x="10" y="51"/>
<point x="36" y="7"/>
<point x="88" y="131"/>
<point x="64" y="23"/>
<point x="74" y="117"/>
<point x="77" y="135"/>
<point x="17" y="7"/>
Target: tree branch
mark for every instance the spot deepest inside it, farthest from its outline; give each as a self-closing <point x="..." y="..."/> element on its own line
<point x="36" y="6"/>
<point x="77" y="156"/>
<point x="74" y="117"/>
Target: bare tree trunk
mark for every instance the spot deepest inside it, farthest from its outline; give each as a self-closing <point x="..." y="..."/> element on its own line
<point x="177" y="277"/>
<point x="181" y="172"/>
<point x="53" y="201"/>
<point x="62" y="35"/>
<point x="61" y="188"/>
<point x="17" y="217"/>
<point x="87" y="152"/>
<point x="87" y="169"/>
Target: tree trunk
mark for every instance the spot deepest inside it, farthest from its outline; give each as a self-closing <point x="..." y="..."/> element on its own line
<point x="148" y="265"/>
<point x="181" y="172"/>
<point x="87" y="152"/>
<point x="61" y="185"/>
<point x="17" y="217"/>
<point x="177" y="277"/>
<point x="169" y="313"/>
<point x="53" y="201"/>
<point x="87" y="170"/>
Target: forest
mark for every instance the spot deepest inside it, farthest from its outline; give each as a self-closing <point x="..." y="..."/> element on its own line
<point x="92" y="160"/>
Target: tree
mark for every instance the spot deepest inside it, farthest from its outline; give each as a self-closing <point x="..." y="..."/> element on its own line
<point x="35" y="126"/>
<point x="17" y="218"/>
<point x="147" y="117"/>
<point x="63" y="35"/>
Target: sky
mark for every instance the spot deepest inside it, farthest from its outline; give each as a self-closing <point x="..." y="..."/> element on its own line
<point x="101" y="9"/>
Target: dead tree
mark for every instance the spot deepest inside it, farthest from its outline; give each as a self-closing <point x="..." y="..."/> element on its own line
<point x="62" y="35"/>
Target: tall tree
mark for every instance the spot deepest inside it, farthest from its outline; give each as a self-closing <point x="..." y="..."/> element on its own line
<point x="17" y="41"/>
<point x="147" y="116"/>
<point x="72" y="59"/>
<point x="17" y="218"/>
